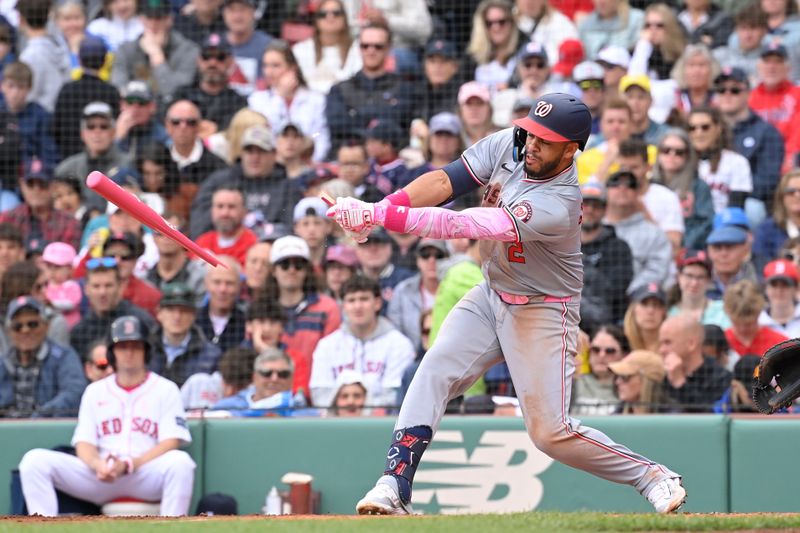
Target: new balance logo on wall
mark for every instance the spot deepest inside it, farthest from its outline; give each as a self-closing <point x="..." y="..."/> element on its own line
<point x="499" y="476"/>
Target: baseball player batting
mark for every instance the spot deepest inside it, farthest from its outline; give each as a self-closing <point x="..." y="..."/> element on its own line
<point x="525" y="310"/>
<point x="130" y="426"/>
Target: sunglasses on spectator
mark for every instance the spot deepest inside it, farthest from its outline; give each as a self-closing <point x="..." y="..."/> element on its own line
<point x="585" y="85"/>
<point x="790" y="191"/>
<point x="426" y="331"/>
<point x="732" y="90"/>
<point x="376" y="46"/>
<point x="428" y="253"/>
<point x="297" y="264"/>
<point x="596" y="350"/>
<point x="701" y="127"/>
<point x="497" y="22"/>
<point x="622" y="180"/>
<point x="191" y="122"/>
<point x="534" y="64"/>
<point x="100" y="365"/>
<point x="208" y="55"/>
<point x="322" y="13"/>
<point x="623" y="379"/>
<point x="37" y="184"/>
<point x="30" y="324"/>
<point x="135" y="100"/>
<point x="91" y="126"/>
<point x="126" y="257"/>
<point x="680" y="152"/>
<point x="101" y="262"/>
<point x="281" y="374"/>
<point x="659" y="25"/>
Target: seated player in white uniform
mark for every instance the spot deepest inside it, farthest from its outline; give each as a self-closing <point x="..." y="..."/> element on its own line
<point x="130" y="427"/>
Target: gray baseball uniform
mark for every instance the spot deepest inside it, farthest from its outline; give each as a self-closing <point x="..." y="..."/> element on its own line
<point x="525" y="311"/>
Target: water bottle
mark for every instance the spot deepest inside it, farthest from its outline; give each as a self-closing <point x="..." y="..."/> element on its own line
<point x="272" y="505"/>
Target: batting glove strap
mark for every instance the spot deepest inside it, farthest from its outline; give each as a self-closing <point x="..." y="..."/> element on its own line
<point x="405" y="453"/>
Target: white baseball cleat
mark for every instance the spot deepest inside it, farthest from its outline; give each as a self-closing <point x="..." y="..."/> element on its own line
<point x="668" y="495"/>
<point x="383" y="499"/>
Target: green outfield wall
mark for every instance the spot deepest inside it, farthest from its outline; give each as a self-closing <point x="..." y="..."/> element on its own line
<point x="476" y="464"/>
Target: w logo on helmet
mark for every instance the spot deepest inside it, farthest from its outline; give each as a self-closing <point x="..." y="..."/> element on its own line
<point x="542" y="109"/>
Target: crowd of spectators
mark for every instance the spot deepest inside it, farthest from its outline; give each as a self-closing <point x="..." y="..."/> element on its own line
<point x="230" y="117"/>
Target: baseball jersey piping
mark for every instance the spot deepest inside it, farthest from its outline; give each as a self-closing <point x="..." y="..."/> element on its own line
<point x="472" y="172"/>
<point x="513" y="221"/>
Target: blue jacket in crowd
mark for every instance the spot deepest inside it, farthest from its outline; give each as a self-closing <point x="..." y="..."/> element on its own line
<point x="762" y="145"/>
<point x="59" y="386"/>
<point x="35" y="128"/>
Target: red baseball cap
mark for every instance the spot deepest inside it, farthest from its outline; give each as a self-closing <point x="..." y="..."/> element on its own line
<point x="570" y="53"/>
<point x="781" y="269"/>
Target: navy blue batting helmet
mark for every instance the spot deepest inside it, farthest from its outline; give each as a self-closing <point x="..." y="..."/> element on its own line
<point x="127" y="328"/>
<point x="558" y="117"/>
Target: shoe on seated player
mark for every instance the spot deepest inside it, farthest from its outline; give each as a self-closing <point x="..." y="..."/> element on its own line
<point x="667" y="496"/>
<point x="383" y="499"/>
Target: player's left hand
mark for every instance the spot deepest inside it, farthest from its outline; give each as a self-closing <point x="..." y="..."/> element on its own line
<point x="354" y="216"/>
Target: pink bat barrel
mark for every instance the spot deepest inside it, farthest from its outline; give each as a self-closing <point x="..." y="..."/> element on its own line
<point x="99" y="183"/>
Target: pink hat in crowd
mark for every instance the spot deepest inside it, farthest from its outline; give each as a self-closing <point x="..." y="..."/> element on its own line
<point x="59" y="253"/>
<point x="343" y="255"/>
<point x="473" y="88"/>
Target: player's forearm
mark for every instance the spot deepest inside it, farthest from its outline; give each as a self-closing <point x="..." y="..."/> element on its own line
<point x="487" y="223"/>
<point x="432" y="188"/>
<point x="88" y="454"/>
<point x="159" y="449"/>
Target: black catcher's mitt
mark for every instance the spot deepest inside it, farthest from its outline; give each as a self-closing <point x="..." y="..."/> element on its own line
<point x="781" y="363"/>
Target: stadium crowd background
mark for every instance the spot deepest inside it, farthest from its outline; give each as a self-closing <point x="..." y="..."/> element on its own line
<point x="230" y="117"/>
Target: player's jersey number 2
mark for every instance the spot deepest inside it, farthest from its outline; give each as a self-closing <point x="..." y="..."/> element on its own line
<point x="515" y="253"/>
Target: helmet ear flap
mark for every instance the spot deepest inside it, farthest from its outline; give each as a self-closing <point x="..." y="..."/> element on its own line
<point x="518" y="152"/>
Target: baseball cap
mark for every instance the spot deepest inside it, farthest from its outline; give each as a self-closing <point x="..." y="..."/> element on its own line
<point x="349" y="377"/>
<point x="715" y="336"/>
<point x="217" y="41"/>
<point x="92" y="51"/>
<point x="217" y="503"/>
<point x="634" y="80"/>
<point x="445" y="122"/>
<point x="315" y="176"/>
<point x="650" y="290"/>
<point x="473" y="89"/>
<point x="24" y="302"/>
<point x="532" y="49"/>
<point x="642" y="362"/>
<point x="570" y="54"/>
<point x="593" y="190"/>
<point x="745" y="368"/>
<point x="379" y="236"/>
<point x="124" y="176"/>
<point x="138" y="89"/>
<point x="558" y="117"/>
<point x="35" y="169"/>
<point x="344" y="255"/>
<point x="387" y="131"/>
<point x="774" y="48"/>
<point x="441" y="47"/>
<point x="433" y="243"/>
<point x="59" y="253"/>
<point x="587" y="70"/>
<point x="732" y="216"/>
<point x="287" y="247"/>
<point x="614" y="56"/>
<point x="177" y="293"/>
<point x="310" y="206"/>
<point x="251" y="3"/>
<point x="270" y="232"/>
<point x="727" y="235"/>
<point x="258" y="136"/>
<point x="125" y="237"/>
<point x="781" y="269"/>
<point x="34" y="246"/>
<point x="732" y="74"/>
<point x="97" y="109"/>
<point x="694" y="257"/>
<point x="622" y="177"/>
<point x="127" y="328"/>
<point x="154" y="8"/>
<point x="523" y="103"/>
